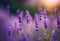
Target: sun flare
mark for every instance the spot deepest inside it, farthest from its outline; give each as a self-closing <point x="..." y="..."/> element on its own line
<point x="50" y="3"/>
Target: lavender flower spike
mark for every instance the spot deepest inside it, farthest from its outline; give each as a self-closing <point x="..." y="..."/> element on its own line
<point x="18" y="11"/>
<point x="40" y="10"/>
<point x="58" y="21"/>
<point x="36" y="24"/>
<point x="36" y="17"/>
<point x="28" y="16"/>
<point x="20" y="17"/>
<point x="56" y="10"/>
<point x="45" y="24"/>
<point x="44" y="12"/>
<point x="10" y="31"/>
<point x="36" y="21"/>
<point x="27" y="12"/>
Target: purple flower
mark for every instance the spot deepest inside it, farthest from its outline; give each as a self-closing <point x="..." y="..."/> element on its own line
<point x="36" y="17"/>
<point x="51" y="39"/>
<point x="20" y="29"/>
<point x="45" y="24"/>
<point x="20" y="16"/>
<point x="9" y="33"/>
<point x="20" y="20"/>
<point x="36" y="24"/>
<point x="27" y="16"/>
<point x="40" y="10"/>
<point x="55" y="35"/>
<point x="27" y="19"/>
<point x="58" y="21"/>
<point x="18" y="11"/>
<point x="40" y="17"/>
<point x="44" y="12"/>
<point x="24" y="38"/>
<point x="44" y="17"/>
<point x="56" y="10"/>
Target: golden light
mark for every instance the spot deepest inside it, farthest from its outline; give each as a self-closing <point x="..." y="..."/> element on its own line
<point x="50" y="3"/>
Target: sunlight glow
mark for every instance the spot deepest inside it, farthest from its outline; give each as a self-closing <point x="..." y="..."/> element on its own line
<point x="50" y="3"/>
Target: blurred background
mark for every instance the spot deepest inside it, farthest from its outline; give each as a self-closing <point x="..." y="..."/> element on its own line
<point x="31" y="5"/>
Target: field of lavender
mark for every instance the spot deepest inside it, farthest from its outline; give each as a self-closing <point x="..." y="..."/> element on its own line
<point x="42" y="27"/>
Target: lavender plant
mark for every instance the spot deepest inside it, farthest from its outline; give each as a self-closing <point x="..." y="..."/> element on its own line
<point x="28" y="29"/>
